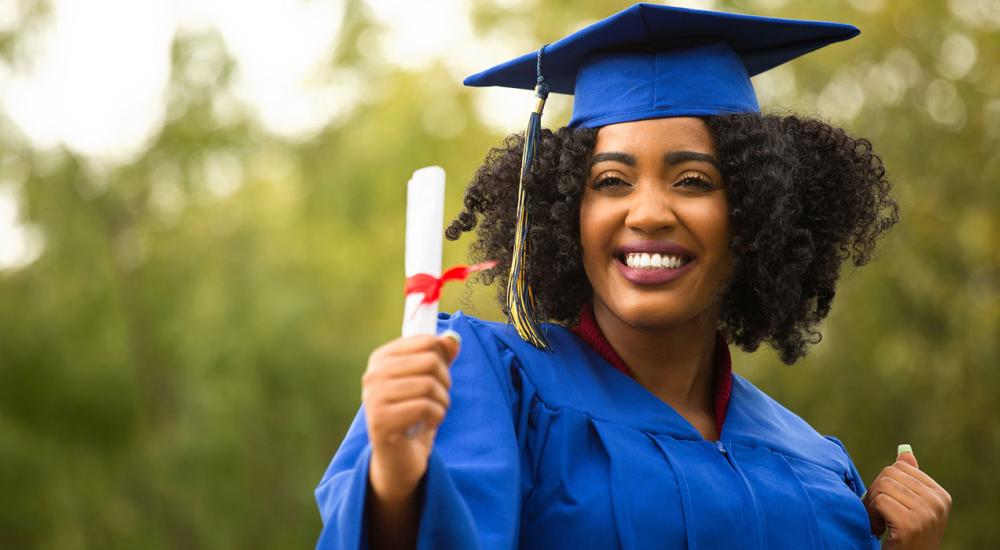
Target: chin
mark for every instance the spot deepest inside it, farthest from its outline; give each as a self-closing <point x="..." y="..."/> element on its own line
<point x="653" y="313"/>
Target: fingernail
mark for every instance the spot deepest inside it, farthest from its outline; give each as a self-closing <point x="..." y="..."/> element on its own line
<point x="453" y="335"/>
<point x="904" y="448"/>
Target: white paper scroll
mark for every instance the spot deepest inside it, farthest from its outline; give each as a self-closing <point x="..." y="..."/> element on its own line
<point x="424" y="220"/>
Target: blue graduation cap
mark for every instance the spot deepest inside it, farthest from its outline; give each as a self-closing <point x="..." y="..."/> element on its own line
<point x="647" y="61"/>
<point x="653" y="61"/>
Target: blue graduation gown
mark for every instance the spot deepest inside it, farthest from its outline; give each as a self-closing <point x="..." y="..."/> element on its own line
<point x="560" y="450"/>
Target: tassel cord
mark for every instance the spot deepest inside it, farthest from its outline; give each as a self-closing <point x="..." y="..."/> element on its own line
<point x="520" y="299"/>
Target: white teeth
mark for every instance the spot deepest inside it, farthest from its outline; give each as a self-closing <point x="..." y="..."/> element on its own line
<point x="652" y="261"/>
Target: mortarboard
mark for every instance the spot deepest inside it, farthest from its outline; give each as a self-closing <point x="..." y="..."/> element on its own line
<point x="647" y="61"/>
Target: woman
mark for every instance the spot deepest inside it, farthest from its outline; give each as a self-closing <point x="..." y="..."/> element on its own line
<point x="670" y="219"/>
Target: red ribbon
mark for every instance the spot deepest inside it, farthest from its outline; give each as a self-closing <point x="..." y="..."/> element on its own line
<point x="430" y="286"/>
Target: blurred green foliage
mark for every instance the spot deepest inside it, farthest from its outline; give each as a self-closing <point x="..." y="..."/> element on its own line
<point x="179" y="365"/>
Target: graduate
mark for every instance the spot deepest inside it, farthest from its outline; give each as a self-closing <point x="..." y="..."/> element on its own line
<point x="669" y="220"/>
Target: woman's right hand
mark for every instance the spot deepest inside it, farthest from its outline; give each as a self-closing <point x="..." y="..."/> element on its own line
<point x="405" y="393"/>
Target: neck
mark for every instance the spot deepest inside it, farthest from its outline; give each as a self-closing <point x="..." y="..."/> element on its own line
<point x="675" y="363"/>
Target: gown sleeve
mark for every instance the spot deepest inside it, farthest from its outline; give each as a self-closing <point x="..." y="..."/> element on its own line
<point x="854" y="480"/>
<point x="470" y="494"/>
<point x="856" y="484"/>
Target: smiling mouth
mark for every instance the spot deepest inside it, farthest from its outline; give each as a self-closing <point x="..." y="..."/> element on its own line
<point x="645" y="261"/>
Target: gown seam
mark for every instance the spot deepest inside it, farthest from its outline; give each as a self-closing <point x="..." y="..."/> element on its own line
<point x="804" y="495"/>
<point x="838" y="472"/>
<point x="501" y="379"/>
<point x="542" y="429"/>
<point x="623" y="523"/>
<point x="687" y="509"/>
<point x="543" y="445"/>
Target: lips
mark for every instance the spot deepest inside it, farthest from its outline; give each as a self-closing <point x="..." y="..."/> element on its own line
<point x="642" y="273"/>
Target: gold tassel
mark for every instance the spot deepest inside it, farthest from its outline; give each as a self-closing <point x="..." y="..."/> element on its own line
<point x="520" y="299"/>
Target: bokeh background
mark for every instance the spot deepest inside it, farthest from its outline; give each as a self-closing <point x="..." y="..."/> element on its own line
<point x="201" y="222"/>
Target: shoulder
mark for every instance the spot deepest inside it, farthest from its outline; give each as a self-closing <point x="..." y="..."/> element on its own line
<point x="495" y="349"/>
<point x="559" y="377"/>
<point x="479" y="362"/>
<point x="760" y="420"/>
<point x="500" y="338"/>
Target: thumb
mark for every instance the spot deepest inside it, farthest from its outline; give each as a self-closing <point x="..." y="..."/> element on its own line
<point x="452" y="342"/>
<point x="905" y="453"/>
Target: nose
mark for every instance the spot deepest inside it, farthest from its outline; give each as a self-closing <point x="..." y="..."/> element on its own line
<point x="650" y="210"/>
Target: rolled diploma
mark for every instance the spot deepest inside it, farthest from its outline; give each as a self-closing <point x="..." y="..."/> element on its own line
<point x="424" y="219"/>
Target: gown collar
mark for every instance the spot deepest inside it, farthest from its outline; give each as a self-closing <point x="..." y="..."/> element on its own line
<point x="589" y="331"/>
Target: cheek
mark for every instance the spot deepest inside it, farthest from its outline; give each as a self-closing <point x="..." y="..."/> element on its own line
<point x="711" y="224"/>
<point x="706" y="215"/>
<point x="597" y="228"/>
<point x="591" y="227"/>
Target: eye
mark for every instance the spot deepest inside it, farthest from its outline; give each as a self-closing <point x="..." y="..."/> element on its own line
<point x="609" y="181"/>
<point x="694" y="181"/>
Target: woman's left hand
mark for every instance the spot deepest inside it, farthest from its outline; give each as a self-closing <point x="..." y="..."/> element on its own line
<point x="908" y="505"/>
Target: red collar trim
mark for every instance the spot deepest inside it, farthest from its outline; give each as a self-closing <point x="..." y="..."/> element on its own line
<point x="589" y="332"/>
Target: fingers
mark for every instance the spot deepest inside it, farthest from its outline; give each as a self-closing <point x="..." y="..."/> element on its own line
<point x="416" y="364"/>
<point x="397" y="418"/>
<point x="887" y="507"/>
<point x="918" y="474"/>
<point x="907" y="503"/>
<point x="918" y="482"/>
<point x="405" y="391"/>
<point x="411" y="387"/>
<point x="906" y="526"/>
<point x="407" y="356"/>
<point x="898" y="490"/>
<point x="876" y="520"/>
<point x="405" y="387"/>
<point x="413" y="344"/>
<point x="898" y="474"/>
<point x="936" y="497"/>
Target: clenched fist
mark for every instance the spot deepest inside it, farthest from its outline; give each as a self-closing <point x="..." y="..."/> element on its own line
<point x="405" y="394"/>
<point x="907" y="505"/>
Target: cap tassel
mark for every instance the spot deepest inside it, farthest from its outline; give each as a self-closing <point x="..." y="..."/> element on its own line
<point x="520" y="300"/>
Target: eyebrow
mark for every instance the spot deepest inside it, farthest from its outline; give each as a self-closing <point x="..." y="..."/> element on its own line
<point x="623" y="158"/>
<point x="671" y="158"/>
<point x="677" y="157"/>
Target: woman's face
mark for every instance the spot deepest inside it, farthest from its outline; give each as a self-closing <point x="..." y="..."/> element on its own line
<point x="654" y="223"/>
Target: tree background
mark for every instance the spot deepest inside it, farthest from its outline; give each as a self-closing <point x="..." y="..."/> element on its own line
<point x="183" y="333"/>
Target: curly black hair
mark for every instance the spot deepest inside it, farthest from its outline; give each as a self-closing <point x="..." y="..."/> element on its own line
<point x="804" y="196"/>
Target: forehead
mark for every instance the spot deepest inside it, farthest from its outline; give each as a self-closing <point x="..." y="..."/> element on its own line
<point x="656" y="136"/>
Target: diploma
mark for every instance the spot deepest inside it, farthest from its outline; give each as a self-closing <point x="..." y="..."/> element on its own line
<point x="424" y="221"/>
